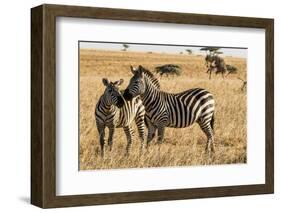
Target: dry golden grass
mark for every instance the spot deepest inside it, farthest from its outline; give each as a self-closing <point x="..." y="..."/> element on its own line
<point x="181" y="147"/>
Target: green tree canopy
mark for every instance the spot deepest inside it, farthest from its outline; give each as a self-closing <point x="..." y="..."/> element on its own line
<point x="210" y="49"/>
<point x="189" y="51"/>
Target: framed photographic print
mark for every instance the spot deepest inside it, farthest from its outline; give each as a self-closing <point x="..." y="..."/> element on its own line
<point x="136" y="106"/>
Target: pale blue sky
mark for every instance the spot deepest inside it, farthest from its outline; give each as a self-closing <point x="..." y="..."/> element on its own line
<point x="235" y="52"/>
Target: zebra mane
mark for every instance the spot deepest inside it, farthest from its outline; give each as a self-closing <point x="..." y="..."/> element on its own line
<point x="151" y="77"/>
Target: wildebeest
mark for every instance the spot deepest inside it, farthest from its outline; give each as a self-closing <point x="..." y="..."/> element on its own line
<point x="231" y="69"/>
<point x="217" y="64"/>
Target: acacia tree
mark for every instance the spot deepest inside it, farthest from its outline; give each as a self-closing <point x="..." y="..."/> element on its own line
<point x="210" y="50"/>
<point x="217" y="52"/>
<point x="189" y="51"/>
<point x="125" y="47"/>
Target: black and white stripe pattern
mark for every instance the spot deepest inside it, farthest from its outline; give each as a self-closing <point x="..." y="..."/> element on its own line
<point x="165" y="109"/>
<point x="113" y="111"/>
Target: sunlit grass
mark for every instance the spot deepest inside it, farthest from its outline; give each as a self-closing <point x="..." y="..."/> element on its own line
<point x="181" y="147"/>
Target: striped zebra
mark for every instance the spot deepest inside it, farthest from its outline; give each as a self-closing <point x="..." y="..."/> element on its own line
<point x="165" y="109"/>
<point x="113" y="111"/>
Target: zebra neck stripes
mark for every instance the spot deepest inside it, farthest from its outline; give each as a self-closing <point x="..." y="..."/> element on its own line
<point x="103" y="110"/>
<point x="150" y="96"/>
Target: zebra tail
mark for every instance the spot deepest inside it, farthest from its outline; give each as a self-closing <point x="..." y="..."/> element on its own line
<point x="212" y="122"/>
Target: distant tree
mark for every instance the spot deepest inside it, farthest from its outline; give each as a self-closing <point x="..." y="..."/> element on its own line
<point x="125" y="47"/>
<point x="213" y="49"/>
<point x="168" y="69"/>
<point x="181" y="53"/>
<point x="210" y="50"/>
<point x="189" y="51"/>
<point x="204" y="49"/>
<point x="217" y="52"/>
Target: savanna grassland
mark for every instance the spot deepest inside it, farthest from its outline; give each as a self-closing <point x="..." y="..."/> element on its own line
<point x="181" y="147"/>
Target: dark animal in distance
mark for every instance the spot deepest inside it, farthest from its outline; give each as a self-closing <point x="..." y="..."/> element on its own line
<point x="168" y="69"/>
<point x="217" y="64"/>
<point x="231" y="69"/>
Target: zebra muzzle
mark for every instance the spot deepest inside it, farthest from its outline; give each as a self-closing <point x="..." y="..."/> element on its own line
<point x="127" y="95"/>
<point x="120" y="102"/>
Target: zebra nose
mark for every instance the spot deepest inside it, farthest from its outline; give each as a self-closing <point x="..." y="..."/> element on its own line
<point x="120" y="102"/>
<point x="127" y="95"/>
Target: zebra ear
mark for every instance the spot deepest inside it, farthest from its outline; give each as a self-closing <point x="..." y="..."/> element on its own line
<point x="133" y="70"/>
<point x="140" y="71"/>
<point x="121" y="81"/>
<point x="118" y="83"/>
<point x="105" y="82"/>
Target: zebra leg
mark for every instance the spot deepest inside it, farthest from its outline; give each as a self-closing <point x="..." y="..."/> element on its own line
<point x="161" y="131"/>
<point x="141" y="128"/>
<point x="110" y="137"/>
<point x="151" y="132"/>
<point x="207" y="129"/>
<point x="101" y="137"/>
<point x="129" y="134"/>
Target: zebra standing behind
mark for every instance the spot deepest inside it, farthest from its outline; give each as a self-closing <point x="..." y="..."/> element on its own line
<point x="113" y="111"/>
<point x="165" y="109"/>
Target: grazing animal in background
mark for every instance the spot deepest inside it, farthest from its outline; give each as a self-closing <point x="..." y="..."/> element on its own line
<point x="113" y="111"/>
<point x="231" y="69"/>
<point x="168" y="69"/>
<point x="215" y="62"/>
<point x="176" y="110"/>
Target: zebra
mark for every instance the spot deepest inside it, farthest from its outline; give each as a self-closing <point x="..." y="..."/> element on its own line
<point x="176" y="110"/>
<point x="113" y="111"/>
